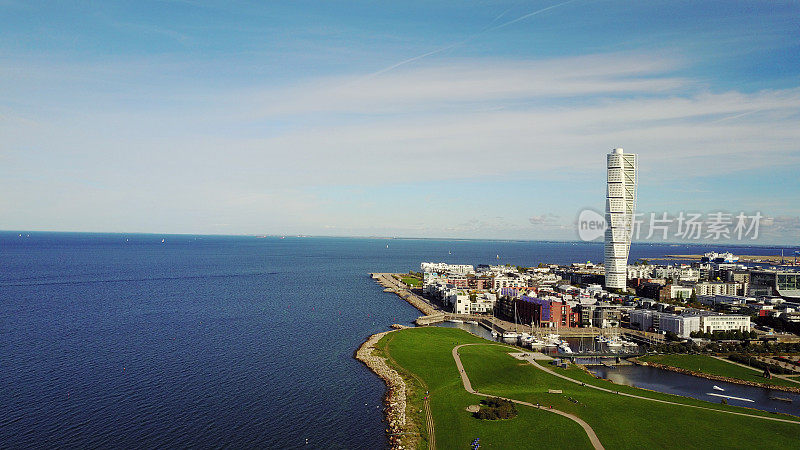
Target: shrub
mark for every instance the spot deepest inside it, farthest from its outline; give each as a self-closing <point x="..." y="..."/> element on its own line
<point x="496" y="408"/>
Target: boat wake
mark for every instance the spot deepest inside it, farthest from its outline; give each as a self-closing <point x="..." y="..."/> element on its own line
<point x="731" y="397"/>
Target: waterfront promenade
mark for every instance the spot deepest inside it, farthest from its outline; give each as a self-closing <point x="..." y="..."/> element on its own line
<point x="434" y="314"/>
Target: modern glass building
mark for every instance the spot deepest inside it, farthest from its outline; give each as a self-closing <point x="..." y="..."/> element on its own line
<point x="769" y="283"/>
<point x="620" y="209"/>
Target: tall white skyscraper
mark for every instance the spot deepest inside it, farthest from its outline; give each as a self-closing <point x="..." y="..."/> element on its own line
<point x="620" y="209"/>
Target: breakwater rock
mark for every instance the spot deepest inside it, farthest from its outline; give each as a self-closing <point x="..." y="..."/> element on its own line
<point x="392" y="284"/>
<point x="395" y="398"/>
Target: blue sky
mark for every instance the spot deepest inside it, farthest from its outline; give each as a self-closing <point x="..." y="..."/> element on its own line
<point x="429" y="119"/>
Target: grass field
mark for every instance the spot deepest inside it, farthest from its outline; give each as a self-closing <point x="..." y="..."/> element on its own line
<point x="411" y="281"/>
<point x="426" y="353"/>
<point x="620" y="422"/>
<point x="713" y="366"/>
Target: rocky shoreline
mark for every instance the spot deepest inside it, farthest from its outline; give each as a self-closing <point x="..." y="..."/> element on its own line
<point x="709" y="376"/>
<point x="395" y="398"/>
<point x="392" y="285"/>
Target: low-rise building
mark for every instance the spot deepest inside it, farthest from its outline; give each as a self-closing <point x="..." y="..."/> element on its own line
<point x="711" y="321"/>
<point x="716" y="288"/>
<point x="543" y="312"/>
<point x="713" y="300"/>
<point x="688" y="321"/>
<point x="654" y="321"/>
<point x="446" y="268"/>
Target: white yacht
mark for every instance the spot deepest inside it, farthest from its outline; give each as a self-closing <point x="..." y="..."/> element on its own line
<point x="511" y="335"/>
<point x="552" y="340"/>
<point x="564" y="347"/>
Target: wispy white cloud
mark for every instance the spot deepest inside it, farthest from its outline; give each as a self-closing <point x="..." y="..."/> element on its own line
<point x="232" y="152"/>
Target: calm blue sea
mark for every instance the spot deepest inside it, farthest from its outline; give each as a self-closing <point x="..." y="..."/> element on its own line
<point x="114" y="340"/>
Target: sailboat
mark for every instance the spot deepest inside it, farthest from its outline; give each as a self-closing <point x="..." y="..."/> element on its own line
<point x="535" y="341"/>
<point x="512" y="334"/>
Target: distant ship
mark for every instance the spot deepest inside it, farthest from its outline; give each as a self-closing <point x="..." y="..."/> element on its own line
<point x="717" y="388"/>
<point x="715" y="257"/>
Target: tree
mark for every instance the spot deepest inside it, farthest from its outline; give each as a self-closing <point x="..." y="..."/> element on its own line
<point x="672" y="336"/>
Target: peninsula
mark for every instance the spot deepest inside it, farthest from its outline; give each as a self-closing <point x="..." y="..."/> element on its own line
<point x="437" y="377"/>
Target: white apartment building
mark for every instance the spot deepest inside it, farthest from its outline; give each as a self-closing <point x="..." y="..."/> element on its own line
<point x="462" y="269"/>
<point x="640" y="272"/>
<point x="462" y="304"/>
<point x="620" y="209"/>
<point x="716" y="288"/>
<point x="458" y="300"/>
<point x="676" y="291"/>
<point x="688" y="321"/>
<point x="682" y="326"/>
<point x="505" y="281"/>
<point x="710" y="323"/>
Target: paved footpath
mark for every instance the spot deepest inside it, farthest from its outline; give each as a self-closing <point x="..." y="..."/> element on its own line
<point x="468" y="386"/>
<point x="667" y="402"/>
<point x="774" y="375"/>
<point x="589" y="431"/>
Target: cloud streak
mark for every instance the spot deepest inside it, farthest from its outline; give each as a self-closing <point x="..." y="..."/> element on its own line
<point x="472" y="37"/>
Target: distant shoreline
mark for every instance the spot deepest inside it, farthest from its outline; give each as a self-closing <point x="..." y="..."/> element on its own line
<point x="295" y="235"/>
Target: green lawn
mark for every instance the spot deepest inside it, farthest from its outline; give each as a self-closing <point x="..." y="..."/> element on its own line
<point x="713" y="366"/>
<point x="411" y="281"/>
<point x="620" y="422"/>
<point x="427" y="353"/>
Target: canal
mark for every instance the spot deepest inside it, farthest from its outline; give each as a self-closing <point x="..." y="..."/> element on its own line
<point x="700" y="388"/>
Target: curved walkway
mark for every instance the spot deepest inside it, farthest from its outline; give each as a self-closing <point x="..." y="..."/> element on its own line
<point x="468" y="386"/>
<point x="551" y="372"/>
